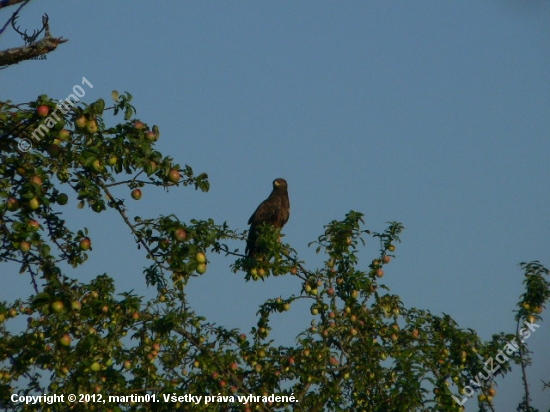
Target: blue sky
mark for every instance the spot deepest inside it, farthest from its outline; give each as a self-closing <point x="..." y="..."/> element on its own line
<point x="434" y="114"/>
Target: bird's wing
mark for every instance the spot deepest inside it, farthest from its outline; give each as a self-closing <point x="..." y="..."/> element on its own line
<point x="265" y="213"/>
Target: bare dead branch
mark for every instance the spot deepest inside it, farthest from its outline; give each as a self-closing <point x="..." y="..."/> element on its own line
<point x="19" y="54"/>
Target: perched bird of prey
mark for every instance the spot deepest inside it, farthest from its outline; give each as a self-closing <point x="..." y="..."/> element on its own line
<point x="274" y="211"/>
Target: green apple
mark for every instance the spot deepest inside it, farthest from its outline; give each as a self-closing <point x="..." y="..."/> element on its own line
<point x="34" y="203"/>
<point x="200" y="258"/>
<point x="201" y="268"/>
<point x="62" y="199"/>
<point x="91" y="126"/>
<point x="58" y="306"/>
<point x="64" y="135"/>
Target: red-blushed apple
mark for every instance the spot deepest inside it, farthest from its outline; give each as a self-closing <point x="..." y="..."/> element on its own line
<point x="386" y="259"/>
<point x="174" y="175"/>
<point x="86" y="244"/>
<point x="127" y="364"/>
<point x="151" y="136"/>
<point x="42" y="110"/>
<point x="330" y="291"/>
<point x="415" y="333"/>
<point x="139" y="125"/>
<point x="233" y="389"/>
<point x="293" y="270"/>
<point x="58" y="306"/>
<point x="492" y="391"/>
<point x="136" y="194"/>
<point x="34" y="225"/>
<point x="234" y="366"/>
<point x="379" y="273"/>
<point x="37" y="180"/>
<point x="24" y="246"/>
<point x="135" y="316"/>
<point x="80" y="122"/>
<point x="65" y="340"/>
<point x="76" y="305"/>
<point x="180" y="234"/>
<point x="12" y="204"/>
<point x="333" y="361"/>
<point x="223" y="383"/>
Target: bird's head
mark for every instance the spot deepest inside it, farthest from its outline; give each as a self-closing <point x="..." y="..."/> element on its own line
<point x="279" y="184"/>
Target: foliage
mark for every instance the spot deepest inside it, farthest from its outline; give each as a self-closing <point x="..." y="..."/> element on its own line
<point x="364" y="349"/>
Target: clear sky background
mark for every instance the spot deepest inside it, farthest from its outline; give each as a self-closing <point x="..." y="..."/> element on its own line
<point x="431" y="113"/>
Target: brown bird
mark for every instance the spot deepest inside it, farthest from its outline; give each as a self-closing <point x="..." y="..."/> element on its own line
<point x="275" y="211"/>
